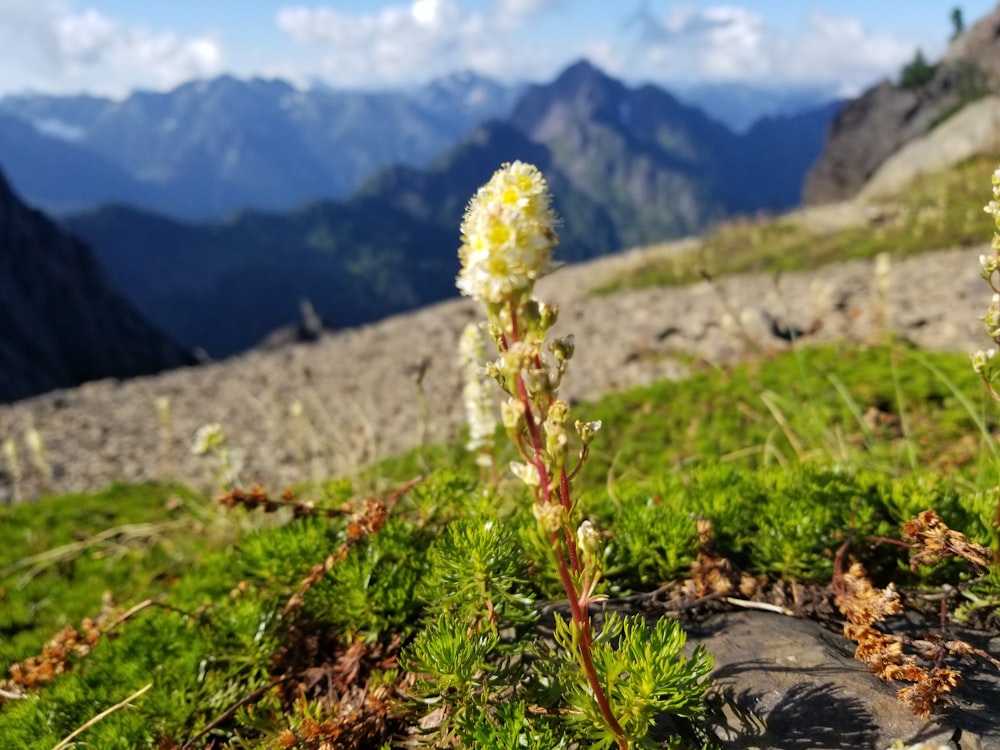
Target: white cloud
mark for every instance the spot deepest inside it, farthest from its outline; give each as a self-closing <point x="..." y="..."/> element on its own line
<point x="66" y="46"/>
<point x="54" y="46"/>
<point x="728" y="43"/>
<point x="516" y="12"/>
<point x="843" y="47"/>
<point x="401" y="44"/>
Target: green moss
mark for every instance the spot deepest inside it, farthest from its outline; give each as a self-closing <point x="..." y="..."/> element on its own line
<point x="788" y="458"/>
<point x="60" y="555"/>
<point x="809" y="404"/>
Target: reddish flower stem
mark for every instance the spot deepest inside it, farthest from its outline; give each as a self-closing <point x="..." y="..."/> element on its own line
<point x="578" y="608"/>
<point x="582" y="619"/>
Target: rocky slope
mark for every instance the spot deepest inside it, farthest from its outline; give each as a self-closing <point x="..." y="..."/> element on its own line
<point x="309" y="410"/>
<point x="873" y="127"/>
<point x="61" y="324"/>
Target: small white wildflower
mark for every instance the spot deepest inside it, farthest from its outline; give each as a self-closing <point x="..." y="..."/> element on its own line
<point x="33" y="439"/>
<point x="208" y="438"/>
<point x="162" y="404"/>
<point x="9" y="450"/>
<point x="527" y="473"/>
<point x="981" y="358"/>
<point x="883" y="268"/>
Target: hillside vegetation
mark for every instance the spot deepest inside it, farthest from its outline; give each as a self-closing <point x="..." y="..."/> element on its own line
<point x="939" y="210"/>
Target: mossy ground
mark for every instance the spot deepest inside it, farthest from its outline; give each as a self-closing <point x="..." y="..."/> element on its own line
<point x="786" y="457"/>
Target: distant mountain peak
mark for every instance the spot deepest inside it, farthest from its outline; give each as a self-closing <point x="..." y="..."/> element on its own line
<point x="582" y="74"/>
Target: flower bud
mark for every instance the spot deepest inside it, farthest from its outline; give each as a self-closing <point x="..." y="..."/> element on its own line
<point x="512" y="413"/>
<point x="496" y="335"/>
<point x="548" y="314"/>
<point x="558" y="412"/>
<point x="588" y="430"/>
<point x="589" y="541"/>
<point x="529" y="322"/>
<point x="551" y="517"/>
<point x="563" y="348"/>
<point x="556" y="441"/>
<point x="991" y="319"/>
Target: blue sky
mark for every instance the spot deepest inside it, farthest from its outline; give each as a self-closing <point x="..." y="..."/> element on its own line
<point x="111" y="47"/>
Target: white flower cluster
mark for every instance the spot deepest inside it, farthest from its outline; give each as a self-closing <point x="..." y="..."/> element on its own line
<point x="507" y="235"/>
<point x="208" y="438"/>
<point x="476" y="393"/>
<point x="989" y="263"/>
<point x="983" y="361"/>
<point x="993" y="207"/>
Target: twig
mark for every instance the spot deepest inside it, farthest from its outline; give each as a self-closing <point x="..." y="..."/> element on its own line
<point x="759" y="605"/>
<point x="103" y="715"/>
<point x="132" y="611"/>
<point x="368" y="520"/>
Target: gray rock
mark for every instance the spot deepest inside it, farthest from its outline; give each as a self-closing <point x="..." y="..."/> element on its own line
<point x="864" y="133"/>
<point x="978" y="45"/>
<point x="781" y="682"/>
<point x="972" y="132"/>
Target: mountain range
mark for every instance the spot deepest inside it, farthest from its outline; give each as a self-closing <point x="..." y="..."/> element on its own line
<point x="628" y="166"/>
<point x="209" y="148"/>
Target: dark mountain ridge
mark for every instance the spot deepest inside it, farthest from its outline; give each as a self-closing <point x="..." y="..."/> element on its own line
<point x="872" y="127"/>
<point x="226" y="286"/>
<point x="61" y="324"/>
